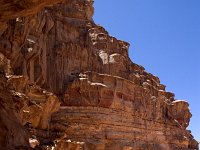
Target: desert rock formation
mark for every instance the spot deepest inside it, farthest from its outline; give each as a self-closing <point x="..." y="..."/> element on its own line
<point x="66" y="84"/>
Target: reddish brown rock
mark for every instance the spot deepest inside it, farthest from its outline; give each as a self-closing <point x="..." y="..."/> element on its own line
<point x="11" y="9"/>
<point x="22" y="104"/>
<point x="58" y="55"/>
<point x="107" y="110"/>
<point x="12" y="133"/>
<point x="37" y="104"/>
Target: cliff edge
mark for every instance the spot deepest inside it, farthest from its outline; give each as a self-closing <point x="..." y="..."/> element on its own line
<point x="66" y="84"/>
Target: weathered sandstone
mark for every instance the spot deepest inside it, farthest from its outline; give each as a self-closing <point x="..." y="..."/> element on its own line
<point x="66" y="84"/>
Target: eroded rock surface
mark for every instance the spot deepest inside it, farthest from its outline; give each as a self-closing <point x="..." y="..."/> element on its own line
<point x="69" y="85"/>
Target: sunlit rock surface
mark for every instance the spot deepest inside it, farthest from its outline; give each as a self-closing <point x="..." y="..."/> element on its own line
<point x="66" y="84"/>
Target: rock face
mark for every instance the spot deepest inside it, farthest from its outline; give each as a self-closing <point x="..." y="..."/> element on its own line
<point x="66" y="84"/>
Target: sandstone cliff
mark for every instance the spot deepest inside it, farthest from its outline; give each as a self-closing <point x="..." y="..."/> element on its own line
<point x="66" y="84"/>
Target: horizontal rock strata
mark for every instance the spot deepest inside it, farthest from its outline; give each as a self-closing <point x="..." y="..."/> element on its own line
<point x="68" y="85"/>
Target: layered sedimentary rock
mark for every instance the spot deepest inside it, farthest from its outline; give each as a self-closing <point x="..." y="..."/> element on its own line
<point x="11" y="9"/>
<point x="70" y="85"/>
<point x="23" y="107"/>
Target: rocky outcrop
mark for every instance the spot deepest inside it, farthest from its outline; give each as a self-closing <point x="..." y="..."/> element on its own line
<point x="38" y="104"/>
<point x="71" y="85"/>
<point x="12" y="9"/>
<point x="22" y="107"/>
<point x="109" y="112"/>
<point x="11" y="131"/>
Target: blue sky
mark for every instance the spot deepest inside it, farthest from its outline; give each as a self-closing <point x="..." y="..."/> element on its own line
<point x="165" y="39"/>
